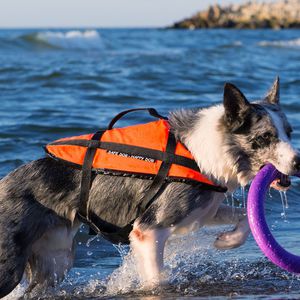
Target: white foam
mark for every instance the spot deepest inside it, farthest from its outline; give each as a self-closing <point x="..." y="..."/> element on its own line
<point x="181" y="255"/>
<point x="71" y="39"/>
<point x="287" y="43"/>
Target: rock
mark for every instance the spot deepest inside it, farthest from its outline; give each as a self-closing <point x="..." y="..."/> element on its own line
<point x="249" y="15"/>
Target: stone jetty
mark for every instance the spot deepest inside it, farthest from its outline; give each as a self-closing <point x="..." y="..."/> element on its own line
<point x="249" y="15"/>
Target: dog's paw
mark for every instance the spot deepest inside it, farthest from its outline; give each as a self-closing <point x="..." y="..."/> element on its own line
<point x="230" y="240"/>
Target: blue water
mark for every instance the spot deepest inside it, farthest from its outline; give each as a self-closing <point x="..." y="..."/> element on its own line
<point x="60" y="83"/>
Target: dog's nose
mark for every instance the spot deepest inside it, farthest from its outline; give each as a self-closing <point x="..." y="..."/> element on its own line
<point x="296" y="163"/>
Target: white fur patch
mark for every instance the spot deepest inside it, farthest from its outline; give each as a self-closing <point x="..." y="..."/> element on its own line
<point x="206" y="143"/>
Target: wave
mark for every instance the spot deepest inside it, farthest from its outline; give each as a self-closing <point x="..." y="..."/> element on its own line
<point x="281" y="43"/>
<point x="74" y="39"/>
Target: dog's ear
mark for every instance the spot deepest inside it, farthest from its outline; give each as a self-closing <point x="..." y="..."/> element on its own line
<point x="236" y="106"/>
<point x="273" y="94"/>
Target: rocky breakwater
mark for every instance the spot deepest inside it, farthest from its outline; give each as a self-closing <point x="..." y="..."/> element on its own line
<point x="250" y="15"/>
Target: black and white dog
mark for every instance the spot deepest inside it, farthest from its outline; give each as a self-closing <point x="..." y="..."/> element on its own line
<point x="40" y="200"/>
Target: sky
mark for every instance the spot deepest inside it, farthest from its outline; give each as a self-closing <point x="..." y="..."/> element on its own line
<point x="98" y="13"/>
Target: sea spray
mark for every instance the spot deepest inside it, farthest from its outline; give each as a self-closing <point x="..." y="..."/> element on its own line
<point x="243" y="192"/>
<point x="285" y="199"/>
<point x="285" y="206"/>
<point x="226" y="198"/>
<point x="126" y="277"/>
<point x="90" y="240"/>
<point x="232" y="203"/>
<point x="237" y="199"/>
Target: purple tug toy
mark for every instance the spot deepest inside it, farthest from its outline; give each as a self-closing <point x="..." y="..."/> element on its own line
<point x="258" y="224"/>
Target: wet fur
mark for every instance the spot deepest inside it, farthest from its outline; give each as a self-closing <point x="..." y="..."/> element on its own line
<point x="39" y="201"/>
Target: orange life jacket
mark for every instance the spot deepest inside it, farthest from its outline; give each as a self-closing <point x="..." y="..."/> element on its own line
<point x="135" y="150"/>
<point x="148" y="151"/>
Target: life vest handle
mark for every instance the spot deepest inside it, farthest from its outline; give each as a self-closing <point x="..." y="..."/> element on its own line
<point x="152" y="112"/>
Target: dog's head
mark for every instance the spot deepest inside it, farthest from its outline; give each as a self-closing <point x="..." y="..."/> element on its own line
<point x="258" y="133"/>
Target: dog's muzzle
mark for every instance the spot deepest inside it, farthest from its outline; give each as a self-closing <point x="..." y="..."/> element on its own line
<point x="281" y="184"/>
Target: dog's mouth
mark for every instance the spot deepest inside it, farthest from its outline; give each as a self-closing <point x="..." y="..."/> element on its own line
<point x="281" y="184"/>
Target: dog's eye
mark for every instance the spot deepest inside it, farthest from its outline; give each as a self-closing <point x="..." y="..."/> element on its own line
<point x="262" y="141"/>
<point x="267" y="136"/>
<point x="257" y="142"/>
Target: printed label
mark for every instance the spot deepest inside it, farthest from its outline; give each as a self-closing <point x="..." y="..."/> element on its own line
<point x="139" y="157"/>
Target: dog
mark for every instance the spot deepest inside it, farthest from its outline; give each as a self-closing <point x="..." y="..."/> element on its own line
<point x="230" y="142"/>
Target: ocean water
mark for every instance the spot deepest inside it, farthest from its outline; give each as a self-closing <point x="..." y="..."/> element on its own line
<point x="58" y="83"/>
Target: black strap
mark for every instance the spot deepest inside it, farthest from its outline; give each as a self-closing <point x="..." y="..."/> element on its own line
<point x="159" y="179"/>
<point x="93" y="145"/>
<point x="121" y="234"/>
<point x="135" y="150"/>
<point x="153" y="112"/>
<point x="86" y="175"/>
<point x="109" y="231"/>
<point x="144" y="152"/>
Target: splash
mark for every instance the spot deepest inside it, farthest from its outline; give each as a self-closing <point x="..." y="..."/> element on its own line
<point x="232" y="203"/>
<point x="226" y="198"/>
<point x="125" y="278"/>
<point x="90" y="240"/>
<point x="285" y="205"/>
<point x="194" y="268"/>
<point x="285" y="199"/>
<point x="243" y="193"/>
<point x="237" y="199"/>
<point x="123" y="250"/>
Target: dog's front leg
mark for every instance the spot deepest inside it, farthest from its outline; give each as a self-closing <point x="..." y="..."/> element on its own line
<point x="231" y="215"/>
<point x="148" y="248"/>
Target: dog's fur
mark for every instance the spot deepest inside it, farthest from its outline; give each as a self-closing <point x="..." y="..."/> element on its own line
<point x="230" y="142"/>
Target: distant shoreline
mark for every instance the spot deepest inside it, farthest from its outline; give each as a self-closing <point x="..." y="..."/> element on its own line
<point x="282" y="14"/>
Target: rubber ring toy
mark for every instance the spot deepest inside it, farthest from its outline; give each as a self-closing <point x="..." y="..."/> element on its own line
<point x="258" y="225"/>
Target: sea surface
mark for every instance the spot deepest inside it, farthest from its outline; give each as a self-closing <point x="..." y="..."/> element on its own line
<point x="58" y="83"/>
